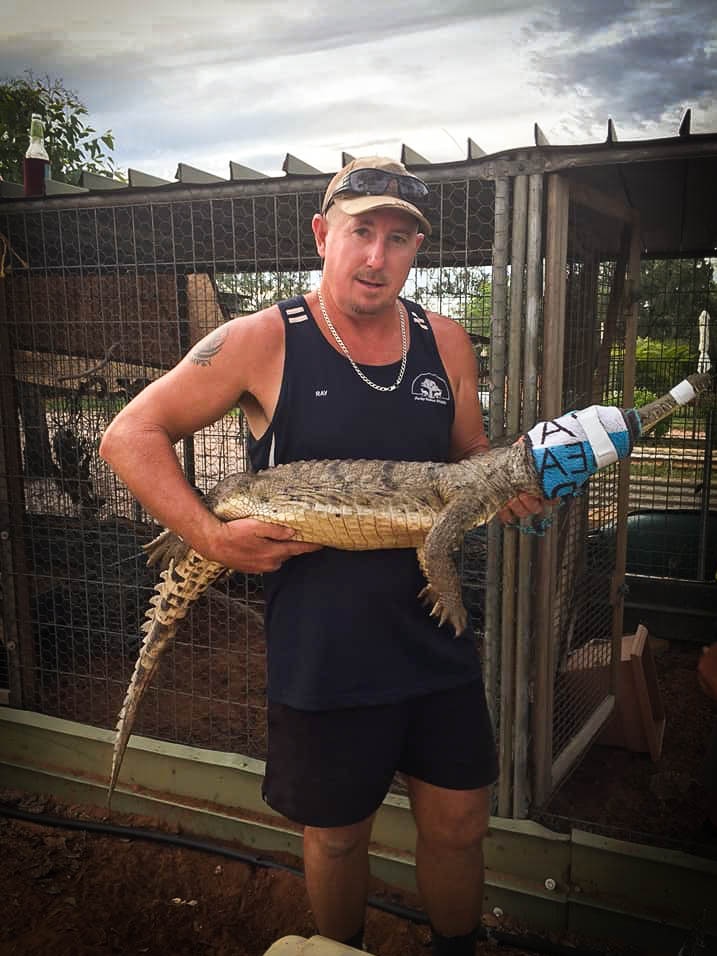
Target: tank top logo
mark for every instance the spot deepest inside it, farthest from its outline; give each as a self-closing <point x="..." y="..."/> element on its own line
<point x="428" y="387"/>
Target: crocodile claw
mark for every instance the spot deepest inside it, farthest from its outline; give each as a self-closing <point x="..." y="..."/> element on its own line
<point x="457" y="617"/>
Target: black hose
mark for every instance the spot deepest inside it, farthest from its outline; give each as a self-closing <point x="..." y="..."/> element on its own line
<point x="499" y="937"/>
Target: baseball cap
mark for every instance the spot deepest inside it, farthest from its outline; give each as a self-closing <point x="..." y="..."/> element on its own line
<point x="376" y="182"/>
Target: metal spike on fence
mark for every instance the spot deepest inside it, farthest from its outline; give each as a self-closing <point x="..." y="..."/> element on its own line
<point x="474" y="151"/>
<point x="409" y="157"/>
<point x="539" y="136"/>
<point x="293" y="166"/>
<point x="239" y="172"/>
<point x="190" y="174"/>
<point x="95" y="181"/>
<point x="140" y="180"/>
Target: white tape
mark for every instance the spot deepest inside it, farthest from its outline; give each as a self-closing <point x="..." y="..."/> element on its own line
<point x="603" y="449"/>
<point x="683" y="393"/>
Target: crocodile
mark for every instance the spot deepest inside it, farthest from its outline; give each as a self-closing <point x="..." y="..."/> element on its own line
<point x="364" y="504"/>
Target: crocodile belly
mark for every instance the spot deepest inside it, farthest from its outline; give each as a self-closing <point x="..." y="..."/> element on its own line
<point x="351" y="528"/>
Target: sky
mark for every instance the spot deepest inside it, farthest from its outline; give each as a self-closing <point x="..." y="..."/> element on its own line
<point x="209" y="82"/>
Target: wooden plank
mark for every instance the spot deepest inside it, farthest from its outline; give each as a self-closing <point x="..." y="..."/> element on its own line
<point x="16" y="631"/>
<point x="647" y="691"/>
<point x="513" y="670"/>
<point x="494" y="625"/>
<point x="533" y="300"/>
<point x="556" y="244"/>
<point x="615" y="305"/>
<point x="581" y="741"/>
<point x="72" y="314"/>
<point x="601" y="202"/>
<point x="204" y="313"/>
<point x="540" y="748"/>
<point x="58" y="371"/>
<point x="639" y="723"/>
<point x="631" y="311"/>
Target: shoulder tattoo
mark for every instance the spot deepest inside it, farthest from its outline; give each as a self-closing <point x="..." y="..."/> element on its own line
<point x="204" y="351"/>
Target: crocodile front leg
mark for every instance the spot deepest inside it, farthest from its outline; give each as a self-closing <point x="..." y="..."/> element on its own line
<point x="443" y="590"/>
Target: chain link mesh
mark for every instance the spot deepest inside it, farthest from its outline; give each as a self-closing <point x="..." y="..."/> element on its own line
<point x="113" y="297"/>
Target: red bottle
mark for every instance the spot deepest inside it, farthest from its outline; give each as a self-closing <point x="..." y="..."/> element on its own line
<point x="36" y="165"/>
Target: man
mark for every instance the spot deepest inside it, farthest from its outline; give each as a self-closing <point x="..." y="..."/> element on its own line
<point x="361" y="681"/>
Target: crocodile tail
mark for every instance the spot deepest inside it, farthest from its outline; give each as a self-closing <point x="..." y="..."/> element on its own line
<point x="178" y="587"/>
<point x="166" y="547"/>
<point x="694" y="385"/>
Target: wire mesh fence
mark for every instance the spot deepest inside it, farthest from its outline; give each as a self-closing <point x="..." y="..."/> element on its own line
<point x="112" y="297"/>
<point x="669" y="511"/>
<point x="583" y="604"/>
<point x="673" y="494"/>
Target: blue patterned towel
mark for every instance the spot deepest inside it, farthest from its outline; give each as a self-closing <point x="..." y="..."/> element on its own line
<point x="567" y="450"/>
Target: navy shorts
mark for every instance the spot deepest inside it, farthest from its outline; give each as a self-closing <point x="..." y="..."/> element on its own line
<point x="333" y="768"/>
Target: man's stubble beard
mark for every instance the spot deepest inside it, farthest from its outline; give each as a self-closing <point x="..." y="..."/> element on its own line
<point x="365" y="310"/>
<point x="375" y="308"/>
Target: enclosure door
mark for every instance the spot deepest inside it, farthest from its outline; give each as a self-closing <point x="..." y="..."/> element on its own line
<point x="589" y="331"/>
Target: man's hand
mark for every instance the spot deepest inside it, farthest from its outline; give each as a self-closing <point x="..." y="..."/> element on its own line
<point x="707" y="670"/>
<point x="522" y="506"/>
<point x="254" y="546"/>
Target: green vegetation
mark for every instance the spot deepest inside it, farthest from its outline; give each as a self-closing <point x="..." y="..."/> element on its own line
<point x="660" y="364"/>
<point x="673" y="292"/>
<point x="246" y="292"/>
<point x="643" y="396"/>
<point x="73" y="145"/>
<point x="464" y="293"/>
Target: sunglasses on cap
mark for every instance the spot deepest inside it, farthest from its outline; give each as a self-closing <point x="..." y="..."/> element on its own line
<point x="377" y="182"/>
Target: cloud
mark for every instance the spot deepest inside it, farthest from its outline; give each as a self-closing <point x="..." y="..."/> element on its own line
<point x="194" y="81"/>
<point x="219" y="35"/>
<point x="204" y="84"/>
<point x="637" y="61"/>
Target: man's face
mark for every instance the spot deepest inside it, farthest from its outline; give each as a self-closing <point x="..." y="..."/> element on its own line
<point x="366" y="257"/>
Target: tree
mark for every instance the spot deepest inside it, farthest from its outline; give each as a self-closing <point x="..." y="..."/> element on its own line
<point x="73" y="146"/>
<point x="246" y="292"/>
<point x="463" y="292"/>
<point x="673" y="292"/>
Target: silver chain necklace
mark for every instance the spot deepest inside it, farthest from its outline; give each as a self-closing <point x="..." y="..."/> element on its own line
<point x="342" y="345"/>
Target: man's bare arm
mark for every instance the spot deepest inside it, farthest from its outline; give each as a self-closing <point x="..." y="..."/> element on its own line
<point x="239" y="359"/>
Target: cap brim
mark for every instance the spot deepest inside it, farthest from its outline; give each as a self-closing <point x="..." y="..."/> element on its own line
<point x="355" y="205"/>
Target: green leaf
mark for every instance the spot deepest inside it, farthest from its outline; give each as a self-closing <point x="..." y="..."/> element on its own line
<point x="71" y="143"/>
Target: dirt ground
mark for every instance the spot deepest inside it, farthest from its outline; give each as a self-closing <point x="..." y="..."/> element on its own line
<point x="628" y="795"/>
<point x="76" y="893"/>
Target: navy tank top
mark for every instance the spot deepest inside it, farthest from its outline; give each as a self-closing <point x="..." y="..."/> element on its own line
<point x="345" y="628"/>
